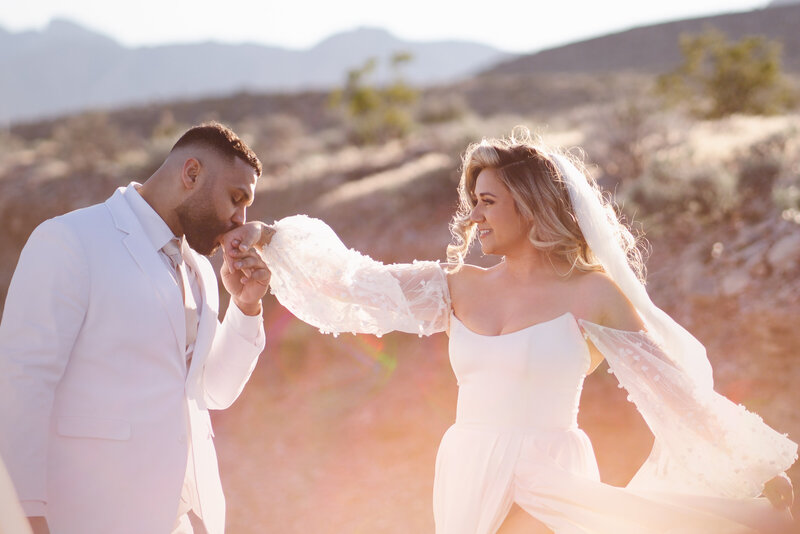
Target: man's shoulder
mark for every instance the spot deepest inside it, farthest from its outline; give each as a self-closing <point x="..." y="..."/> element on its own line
<point x="77" y="225"/>
<point x="82" y="217"/>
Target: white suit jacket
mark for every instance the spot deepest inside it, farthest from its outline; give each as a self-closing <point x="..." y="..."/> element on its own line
<point x="94" y="395"/>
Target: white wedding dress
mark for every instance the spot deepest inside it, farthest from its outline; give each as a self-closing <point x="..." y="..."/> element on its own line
<point x="515" y="438"/>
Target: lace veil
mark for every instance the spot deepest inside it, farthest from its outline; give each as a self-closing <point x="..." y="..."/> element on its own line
<point x="704" y="443"/>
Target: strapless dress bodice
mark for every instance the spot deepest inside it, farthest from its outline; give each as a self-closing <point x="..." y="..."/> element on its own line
<point x="530" y="379"/>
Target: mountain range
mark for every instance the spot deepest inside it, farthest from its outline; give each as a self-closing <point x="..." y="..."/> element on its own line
<point x="65" y="67"/>
<point x="655" y="48"/>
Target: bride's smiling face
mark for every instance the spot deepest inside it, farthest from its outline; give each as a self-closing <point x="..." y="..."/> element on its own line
<point x="501" y="228"/>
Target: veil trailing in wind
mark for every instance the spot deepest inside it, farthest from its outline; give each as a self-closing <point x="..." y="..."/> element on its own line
<point x="704" y="443"/>
<point x="597" y="223"/>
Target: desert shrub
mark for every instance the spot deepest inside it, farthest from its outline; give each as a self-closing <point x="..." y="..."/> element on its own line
<point x="718" y="77"/>
<point x="785" y="191"/>
<point x="90" y="141"/>
<point x="277" y="138"/>
<point x="434" y="109"/>
<point x="760" y="165"/>
<point x="676" y="190"/>
<point x="749" y="184"/>
<point x="281" y="128"/>
<point x="625" y="138"/>
<point x="9" y="143"/>
<point x="167" y="126"/>
<point x="769" y="176"/>
<point x="375" y="114"/>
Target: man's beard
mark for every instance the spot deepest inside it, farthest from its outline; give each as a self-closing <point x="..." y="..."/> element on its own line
<point x="200" y="224"/>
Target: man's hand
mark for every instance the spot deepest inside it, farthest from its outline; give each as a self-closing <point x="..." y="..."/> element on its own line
<point x="245" y="276"/>
<point x="779" y="491"/>
<point x="249" y="235"/>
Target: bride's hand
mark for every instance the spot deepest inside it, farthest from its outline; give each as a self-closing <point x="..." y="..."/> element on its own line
<point x="237" y="243"/>
<point x="241" y="239"/>
<point x="779" y="491"/>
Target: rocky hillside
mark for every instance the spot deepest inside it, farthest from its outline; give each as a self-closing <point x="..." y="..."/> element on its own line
<point x="654" y="49"/>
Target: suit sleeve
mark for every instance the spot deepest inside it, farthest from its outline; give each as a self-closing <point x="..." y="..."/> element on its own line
<point x="237" y="344"/>
<point x="44" y="310"/>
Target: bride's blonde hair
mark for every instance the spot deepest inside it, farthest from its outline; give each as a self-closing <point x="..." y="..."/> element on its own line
<point x="540" y="195"/>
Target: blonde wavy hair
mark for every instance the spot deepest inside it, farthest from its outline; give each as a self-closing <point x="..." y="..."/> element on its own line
<point x="540" y="195"/>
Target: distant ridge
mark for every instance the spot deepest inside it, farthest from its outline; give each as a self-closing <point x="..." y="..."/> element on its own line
<point x="654" y="49"/>
<point x="67" y="68"/>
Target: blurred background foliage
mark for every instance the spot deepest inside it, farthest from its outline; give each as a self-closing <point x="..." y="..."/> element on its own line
<point x="719" y="78"/>
<point x="376" y="114"/>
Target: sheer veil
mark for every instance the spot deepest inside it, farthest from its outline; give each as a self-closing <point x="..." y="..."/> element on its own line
<point x="704" y="443"/>
<point x="599" y="232"/>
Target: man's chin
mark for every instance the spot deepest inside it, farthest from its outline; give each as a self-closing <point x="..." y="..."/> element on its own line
<point x="217" y="244"/>
<point x="206" y="249"/>
<point x="203" y="243"/>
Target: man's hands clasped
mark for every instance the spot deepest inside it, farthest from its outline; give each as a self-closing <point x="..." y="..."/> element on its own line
<point x="244" y="273"/>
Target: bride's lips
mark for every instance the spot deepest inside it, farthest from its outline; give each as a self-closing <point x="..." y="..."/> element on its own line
<point x="483" y="232"/>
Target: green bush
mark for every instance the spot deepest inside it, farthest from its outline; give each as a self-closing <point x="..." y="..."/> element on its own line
<point x="677" y="190"/>
<point x="719" y="78"/>
<point x="438" y="109"/>
<point x="375" y="114"/>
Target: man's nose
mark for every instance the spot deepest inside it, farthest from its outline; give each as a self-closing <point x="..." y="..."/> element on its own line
<point x="239" y="216"/>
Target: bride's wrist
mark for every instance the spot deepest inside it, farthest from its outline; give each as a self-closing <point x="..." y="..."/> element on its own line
<point x="265" y="235"/>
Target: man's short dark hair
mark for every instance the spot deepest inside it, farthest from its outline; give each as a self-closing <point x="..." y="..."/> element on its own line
<point x="221" y="138"/>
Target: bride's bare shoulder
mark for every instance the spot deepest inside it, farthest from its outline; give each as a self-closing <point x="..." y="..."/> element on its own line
<point x="467" y="273"/>
<point x="610" y="305"/>
<point x="596" y="284"/>
<point x="465" y="278"/>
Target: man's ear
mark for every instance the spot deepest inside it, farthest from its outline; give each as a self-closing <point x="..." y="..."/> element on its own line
<point x="190" y="172"/>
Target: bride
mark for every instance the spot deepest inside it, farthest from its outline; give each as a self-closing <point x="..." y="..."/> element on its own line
<point x="524" y="334"/>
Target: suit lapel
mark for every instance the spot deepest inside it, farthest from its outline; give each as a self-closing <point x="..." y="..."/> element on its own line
<point x="151" y="264"/>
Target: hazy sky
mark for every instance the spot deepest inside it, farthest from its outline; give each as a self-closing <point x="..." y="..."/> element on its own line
<point x="513" y="25"/>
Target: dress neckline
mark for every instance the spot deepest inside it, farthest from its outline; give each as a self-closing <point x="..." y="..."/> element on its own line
<point x="524" y="329"/>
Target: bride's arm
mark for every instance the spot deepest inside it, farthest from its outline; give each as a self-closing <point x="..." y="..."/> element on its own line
<point x="608" y="306"/>
<point x="701" y="436"/>
<point x="337" y="289"/>
<point x="704" y="442"/>
<point x="699" y="433"/>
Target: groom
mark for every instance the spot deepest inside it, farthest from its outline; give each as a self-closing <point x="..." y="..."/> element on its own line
<point x="111" y="352"/>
